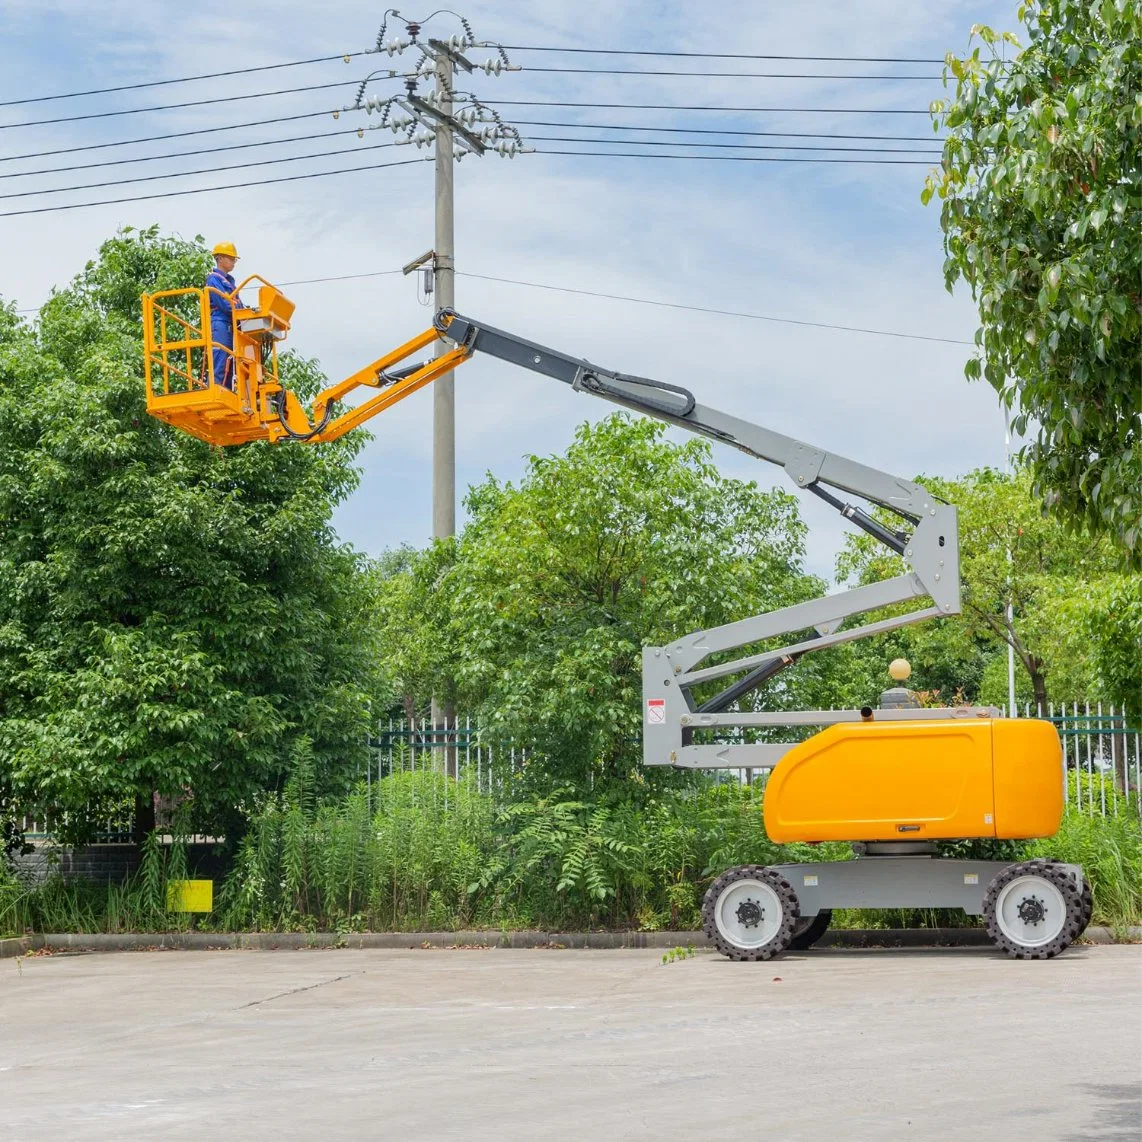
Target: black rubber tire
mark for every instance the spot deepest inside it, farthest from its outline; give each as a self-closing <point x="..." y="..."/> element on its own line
<point x="790" y="912"/>
<point x="1073" y="922"/>
<point x="809" y="929"/>
<point x="1088" y="906"/>
<point x="1085" y="893"/>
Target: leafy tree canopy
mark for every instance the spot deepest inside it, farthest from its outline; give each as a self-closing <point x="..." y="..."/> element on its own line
<point x="541" y="608"/>
<point x="1056" y="580"/>
<point x="173" y="617"/>
<point x="1041" y="185"/>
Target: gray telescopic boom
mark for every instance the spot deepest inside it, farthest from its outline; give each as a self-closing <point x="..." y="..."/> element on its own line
<point x="927" y="539"/>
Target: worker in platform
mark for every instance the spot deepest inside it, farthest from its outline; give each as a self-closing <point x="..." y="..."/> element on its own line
<point x="223" y="300"/>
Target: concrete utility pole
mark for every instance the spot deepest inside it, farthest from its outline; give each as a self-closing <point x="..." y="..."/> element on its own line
<point x="444" y="266"/>
<point x="435" y="120"/>
<point x="444" y="390"/>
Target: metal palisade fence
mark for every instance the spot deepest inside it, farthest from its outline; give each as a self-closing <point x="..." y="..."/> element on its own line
<point x="459" y="748"/>
<point x="1101" y="770"/>
<point x="1102" y="755"/>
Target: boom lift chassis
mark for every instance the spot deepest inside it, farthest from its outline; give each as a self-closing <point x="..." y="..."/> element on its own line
<point x="1033" y="909"/>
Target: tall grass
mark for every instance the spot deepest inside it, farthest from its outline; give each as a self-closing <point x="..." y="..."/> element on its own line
<point x="420" y="851"/>
<point x="1110" y="852"/>
<point x="397" y="858"/>
<point x="137" y="905"/>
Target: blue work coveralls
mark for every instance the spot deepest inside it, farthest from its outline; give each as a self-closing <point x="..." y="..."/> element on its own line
<point x="222" y="325"/>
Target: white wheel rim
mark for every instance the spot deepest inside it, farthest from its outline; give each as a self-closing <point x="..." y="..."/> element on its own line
<point x="1031" y="911"/>
<point x="748" y="913"/>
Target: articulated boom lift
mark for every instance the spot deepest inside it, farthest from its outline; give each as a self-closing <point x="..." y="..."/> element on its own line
<point x="894" y="781"/>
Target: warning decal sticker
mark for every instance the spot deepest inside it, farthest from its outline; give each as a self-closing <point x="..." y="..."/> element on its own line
<point x="656" y="711"/>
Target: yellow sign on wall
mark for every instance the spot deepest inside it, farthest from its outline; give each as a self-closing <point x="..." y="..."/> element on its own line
<point x="190" y="896"/>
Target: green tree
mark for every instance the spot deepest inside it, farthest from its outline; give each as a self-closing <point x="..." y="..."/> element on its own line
<point x="1010" y="552"/>
<point x="411" y="613"/>
<point x="1041" y="184"/>
<point x="540" y="612"/>
<point x="173" y="617"/>
<point x="1107" y="613"/>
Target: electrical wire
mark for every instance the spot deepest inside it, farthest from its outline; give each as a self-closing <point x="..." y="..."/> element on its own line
<point x="187" y="103"/>
<point x="201" y="170"/>
<point x="337" y="278"/>
<point x="717" y="312"/>
<point x="717" y="55"/>
<point x="725" y="146"/>
<point x="726" y="131"/>
<point x="348" y="170"/>
<point x="635" y="301"/>
<point x="517" y="122"/>
<point x="334" y="111"/>
<point x="183" y="154"/>
<point x="738" y="158"/>
<point x="522" y="122"/>
<point x="717" y="74"/>
<point x="677" y="107"/>
<point x="209" y="189"/>
<point x="377" y="146"/>
<point x="346" y="56"/>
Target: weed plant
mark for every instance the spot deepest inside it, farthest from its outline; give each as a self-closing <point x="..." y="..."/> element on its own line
<point x="420" y="851"/>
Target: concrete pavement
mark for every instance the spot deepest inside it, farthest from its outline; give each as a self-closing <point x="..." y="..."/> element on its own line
<point x="537" y="1044"/>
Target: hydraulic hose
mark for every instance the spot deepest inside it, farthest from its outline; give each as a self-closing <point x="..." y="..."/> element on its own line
<point x="293" y="434"/>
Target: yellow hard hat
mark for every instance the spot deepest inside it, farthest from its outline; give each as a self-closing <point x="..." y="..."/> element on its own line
<point x="226" y="248"/>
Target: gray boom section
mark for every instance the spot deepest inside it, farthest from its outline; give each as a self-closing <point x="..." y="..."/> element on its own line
<point x="929" y="545"/>
<point x="835" y="717"/>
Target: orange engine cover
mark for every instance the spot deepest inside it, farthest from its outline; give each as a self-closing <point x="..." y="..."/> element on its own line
<point x="913" y="780"/>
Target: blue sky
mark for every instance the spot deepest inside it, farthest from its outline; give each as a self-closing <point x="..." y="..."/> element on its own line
<point x="838" y="244"/>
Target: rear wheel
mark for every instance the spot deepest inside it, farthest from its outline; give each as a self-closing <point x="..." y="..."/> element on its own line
<point x="809" y="929"/>
<point x="1034" y="910"/>
<point x="749" y="912"/>
<point x="1088" y="906"/>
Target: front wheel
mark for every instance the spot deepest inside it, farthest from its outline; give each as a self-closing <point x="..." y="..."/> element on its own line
<point x="749" y="912"/>
<point x="1033" y="910"/>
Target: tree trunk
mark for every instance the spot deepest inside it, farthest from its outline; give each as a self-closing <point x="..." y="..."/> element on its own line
<point x="144" y="816"/>
<point x="1039" y="688"/>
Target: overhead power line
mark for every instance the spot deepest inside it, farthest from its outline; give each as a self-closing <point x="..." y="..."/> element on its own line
<point x="729" y="131"/>
<point x="520" y="122"/>
<point x="340" y="278"/>
<point x="187" y="103"/>
<point x="635" y="301"/>
<point x="707" y="107"/>
<point x="182" y="154"/>
<point x="719" y="312"/>
<point x="190" y="173"/>
<point x="932" y="158"/>
<point x="210" y="189"/>
<point x="718" y="55"/>
<point x="407" y="162"/>
<point x="171" y="135"/>
<point x="716" y="74"/>
<point x="727" y="146"/>
<point x="346" y="56"/>
<point x="737" y="158"/>
<point x="589" y="51"/>
<point x="375" y="146"/>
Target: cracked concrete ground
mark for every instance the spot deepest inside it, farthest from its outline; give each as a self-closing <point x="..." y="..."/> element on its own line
<point x="505" y="1045"/>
